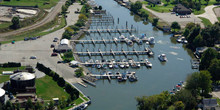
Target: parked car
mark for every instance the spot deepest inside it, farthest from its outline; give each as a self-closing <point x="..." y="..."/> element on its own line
<point x="59" y="61"/>
<point x="33" y="57"/>
<point x="55" y="39"/>
<point x="54" y="54"/>
<point x="26" y="39"/>
<point x="52" y="46"/>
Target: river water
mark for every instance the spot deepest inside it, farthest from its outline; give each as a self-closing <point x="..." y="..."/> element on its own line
<point x="162" y="76"/>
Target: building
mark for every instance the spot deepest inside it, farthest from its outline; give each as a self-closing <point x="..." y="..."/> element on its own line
<point x="2" y="95"/>
<point x="181" y="10"/>
<point x="22" y="98"/>
<point x="199" y="51"/>
<point x="209" y="104"/>
<point x="63" y="46"/>
<point x="154" y="1"/>
<point x="21" y="80"/>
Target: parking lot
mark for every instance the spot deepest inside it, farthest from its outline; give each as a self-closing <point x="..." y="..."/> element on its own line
<point x="21" y="51"/>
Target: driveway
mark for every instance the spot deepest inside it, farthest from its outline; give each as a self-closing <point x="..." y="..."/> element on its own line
<point x="22" y="50"/>
<point x="169" y="18"/>
<point x="209" y="14"/>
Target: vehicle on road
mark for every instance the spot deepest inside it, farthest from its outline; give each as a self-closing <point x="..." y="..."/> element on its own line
<point x="54" y="54"/>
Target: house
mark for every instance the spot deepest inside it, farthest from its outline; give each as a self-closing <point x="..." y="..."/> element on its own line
<point x="63" y="46"/>
<point x="199" y="51"/>
<point x="154" y="1"/>
<point x="181" y="10"/>
<point x="209" y="104"/>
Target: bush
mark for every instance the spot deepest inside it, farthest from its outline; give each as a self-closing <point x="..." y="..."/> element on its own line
<point x="61" y="82"/>
<point x="79" y="72"/>
<point x="75" y="28"/>
<point x="11" y="64"/>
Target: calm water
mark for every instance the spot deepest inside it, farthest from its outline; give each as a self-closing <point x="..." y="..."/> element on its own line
<point x="121" y="96"/>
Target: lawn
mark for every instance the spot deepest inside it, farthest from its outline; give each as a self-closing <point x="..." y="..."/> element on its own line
<point x="218" y="19"/>
<point x="47" y="89"/>
<point x="86" y="99"/>
<point x="78" y="101"/>
<point x="38" y="31"/>
<point x="40" y="3"/>
<point x="11" y="69"/>
<point x="159" y="8"/>
<point x="4" y="24"/>
<point x="205" y="21"/>
<point x="4" y="78"/>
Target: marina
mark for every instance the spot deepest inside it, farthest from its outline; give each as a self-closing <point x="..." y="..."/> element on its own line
<point x="106" y="66"/>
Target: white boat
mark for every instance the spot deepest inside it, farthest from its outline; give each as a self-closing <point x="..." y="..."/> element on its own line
<point x="138" y="64"/>
<point x="127" y="65"/>
<point x="122" y="37"/>
<point x="83" y="107"/>
<point x="148" y="64"/>
<point x="122" y="65"/>
<point x="110" y="65"/>
<point x="115" y="39"/>
<point x="162" y="57"/>
<point x="151" y="41"/>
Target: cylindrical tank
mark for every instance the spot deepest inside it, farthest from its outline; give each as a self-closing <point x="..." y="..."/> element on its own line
<point x="22" y="80"/>
<point x="2" y="95"/>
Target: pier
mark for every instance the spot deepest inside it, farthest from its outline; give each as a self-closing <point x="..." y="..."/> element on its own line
<point x="107" y="53"/>
<point x="104" y="41"/>
<point x="125" y="30"/>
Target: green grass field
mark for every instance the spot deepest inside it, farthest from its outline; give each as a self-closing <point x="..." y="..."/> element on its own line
<point x="4" y="78"/>
<point x="205" y="21"/>
<point x="47" y="89"/>
<point x="38" y="31"/>
<point x="40" y="3"/>
<point x="166" y="7"/>
<point x="11" y="69"/>
<point x="218" y="19"/>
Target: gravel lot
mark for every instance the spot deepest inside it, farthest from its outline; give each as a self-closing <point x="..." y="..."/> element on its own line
<point x="209" y="14"/>
<point x="22" y="50"/>
<point x="217" y="12"/>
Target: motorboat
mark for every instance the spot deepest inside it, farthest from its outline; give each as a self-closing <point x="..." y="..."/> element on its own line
<point x="83" y="107"/>
<point x="122" y="65"/>
<point x="132" y="78"/>
<point x="122" y="37"/>
<point x="138" y="64"/>
<point x="115" y="39"/>
<point x="147" y="63"/>
<point x="149" y="51"/>
<point x="151" y="41"/>
<point x="162" y="58"/>
<point x="124" y="77"/>
<point x="110" y="65"/>
<point x="127" y="65"/>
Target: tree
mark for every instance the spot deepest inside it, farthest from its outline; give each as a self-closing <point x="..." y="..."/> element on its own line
<point x="67" y="35"/>
<point x="8" y="105"/>
<point x="38" y="106"/>
<point x="82" y="17"/>
<point x="15" y="23"/>
<point x="155" y="21"/>
<point x="144" y="14"/>
<point x="186" y="97"/>
<point x="100" y="7"/>
<point x="218" y="1"/>
<point x="51" y="105"/>
<point x="214" y="69"/>
<point x="199" y="82"/>
<point x="186" y="32"/>
<point x="61" y="82"/>
<point x="175" y="25"/>
<point x="207" y="1"/>
<point x="64" y="9"/>
<point x="179" y="105"/>
<point x="207" y="57"/>
<point x="135" y="7"/>
<point x="159" y="101"/>
<point x="79" y="72"/>
<point x="198" y="41"/>
<point x="29" y="104"/>
<point x="167" y="1"/>
<point x="190" y="26"/>
<point x="195" y="32"/>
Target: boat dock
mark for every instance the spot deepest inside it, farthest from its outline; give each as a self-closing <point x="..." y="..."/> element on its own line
<point x="111" y="52"/>
<point x="104" y="41"/>
<point x="125" y="30"/>
<point x="105" y="76"/>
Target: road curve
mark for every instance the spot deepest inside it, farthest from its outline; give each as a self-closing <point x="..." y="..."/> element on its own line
<point x="209" y="14"/>
<point x="51" y="15"/>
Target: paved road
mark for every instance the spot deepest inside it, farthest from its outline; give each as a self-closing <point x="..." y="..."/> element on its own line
<point x="51" y="15"/>
<point x="22" y="50"/>
<point x="169" y="18"/>
<point x="209" y="14"/>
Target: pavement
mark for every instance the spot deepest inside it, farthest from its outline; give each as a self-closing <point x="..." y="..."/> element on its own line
<point x="51" y="15"/>
<point x="21" y="51"/>
<point x="209" y="14"/>
<point x="169" y="18"/>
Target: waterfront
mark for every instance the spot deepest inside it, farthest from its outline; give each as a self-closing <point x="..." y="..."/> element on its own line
<point x="162" y="76"/>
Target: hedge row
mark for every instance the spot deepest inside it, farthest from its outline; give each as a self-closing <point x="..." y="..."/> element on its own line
<point x="74" y="93"/>
<point x="10" y="64"/>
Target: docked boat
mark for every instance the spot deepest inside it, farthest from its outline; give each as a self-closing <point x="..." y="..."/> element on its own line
<point x="151" y="41"/>
<point x="110" y="65"/>
<point x="132" y="78"/>
<point x="147" y="63"/>
<point x="122" y="65"/>
<point x="128" y="41"/>
<point x="162" y="58"/>
<point x="138" y="64"/>
<point x="122" y="37"/>
<point x="124" y="77"/>
<point x="83" y="107"/>
<point x="149" y="51"/>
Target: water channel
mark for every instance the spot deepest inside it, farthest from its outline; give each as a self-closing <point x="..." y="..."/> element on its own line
<point x="162" y="76"/>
